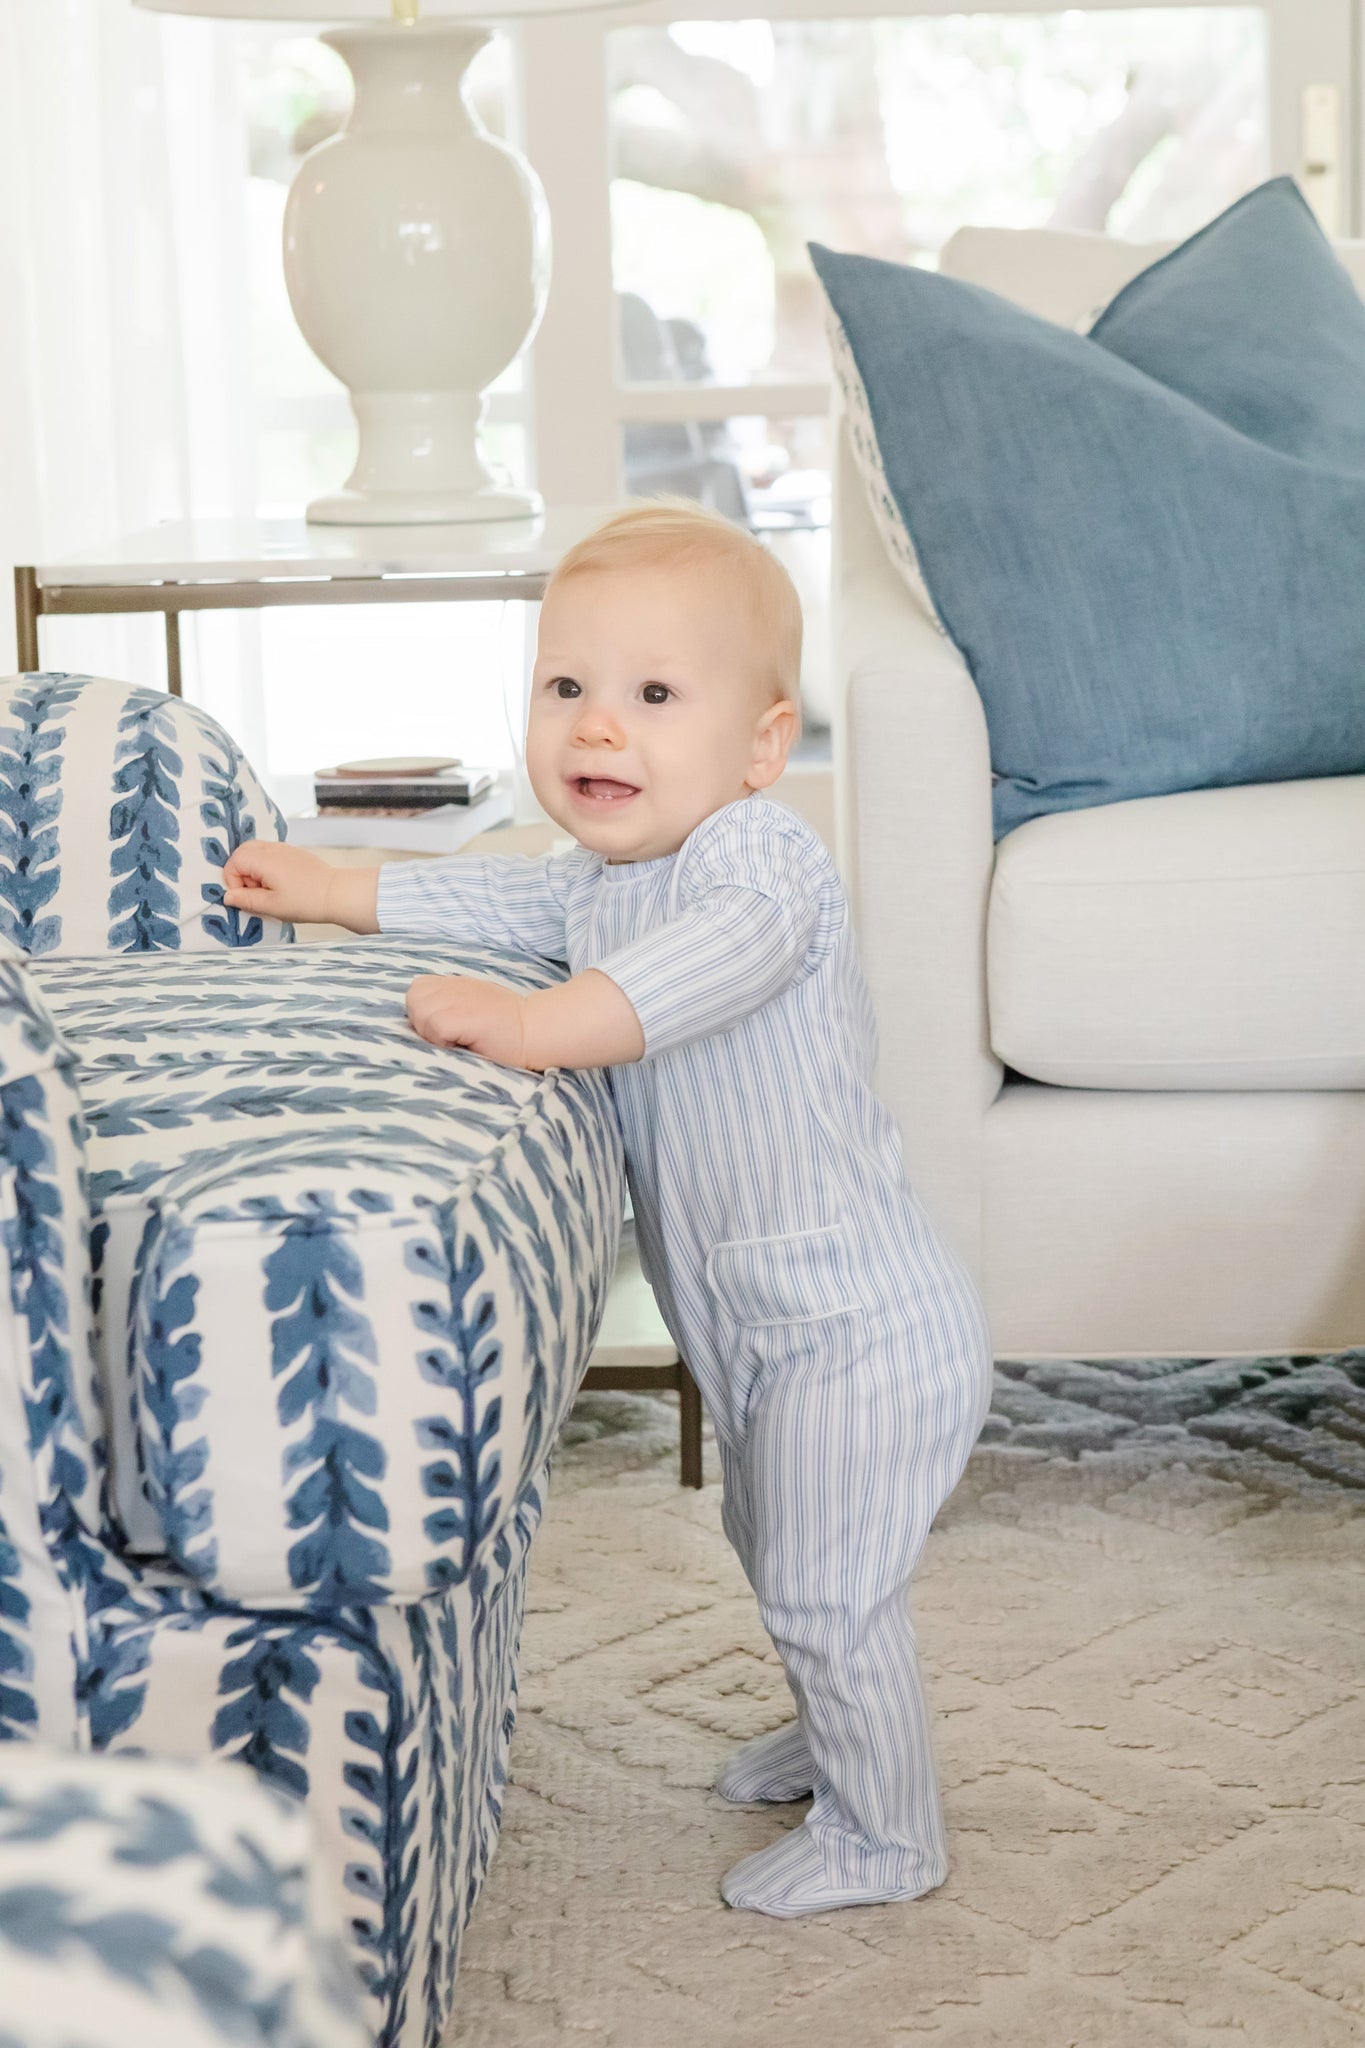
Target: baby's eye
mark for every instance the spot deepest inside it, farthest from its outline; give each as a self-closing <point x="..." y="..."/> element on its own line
<point x="656" y="693"/>
<point x="565" y="686"/>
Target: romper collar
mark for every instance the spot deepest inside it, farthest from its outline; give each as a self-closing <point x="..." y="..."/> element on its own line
<point x="627" y="870"/>
<point x="620" y="872"/>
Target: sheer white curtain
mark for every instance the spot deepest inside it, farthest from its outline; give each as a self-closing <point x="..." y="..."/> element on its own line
<point x="125" y="393"/>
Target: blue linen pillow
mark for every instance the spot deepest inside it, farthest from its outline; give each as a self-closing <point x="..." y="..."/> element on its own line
<point x="1149" y="541"/>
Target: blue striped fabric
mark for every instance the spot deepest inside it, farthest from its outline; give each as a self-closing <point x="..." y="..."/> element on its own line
<point x="840" y="1347"/>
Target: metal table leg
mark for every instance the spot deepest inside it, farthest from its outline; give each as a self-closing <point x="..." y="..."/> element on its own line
<point x="689" y="1417"/>
<point x="173" y="653"/>
<point x="26" y="618"/>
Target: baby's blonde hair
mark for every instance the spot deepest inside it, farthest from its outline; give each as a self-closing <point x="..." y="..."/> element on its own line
<point x="676" y="533"/>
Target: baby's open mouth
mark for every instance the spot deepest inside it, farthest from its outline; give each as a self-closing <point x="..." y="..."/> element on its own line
<point x="602" y="789"/>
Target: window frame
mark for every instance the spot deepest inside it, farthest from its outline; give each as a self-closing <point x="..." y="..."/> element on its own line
<point x="577" y="402"/>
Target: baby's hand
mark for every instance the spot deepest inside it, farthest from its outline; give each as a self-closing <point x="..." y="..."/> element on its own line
<point x="454" y="1009"/>
<point x="271" y="880"/>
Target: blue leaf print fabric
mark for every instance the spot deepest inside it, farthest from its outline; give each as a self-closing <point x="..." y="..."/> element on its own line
<point x="174" y="1457"/>
<point x="165" y="1905"/>
<point x="391" y="1723"/>
<point x="324" y="1356"/>
<point x="229" y="820"/>
<point x="32" y="731"/>
<point x="18" y="1705"/>
<point x="51" y="1501"/>
<point x="465" y="1474"/>
<point x="144" y="829"/>
<point x="265" y="1692"/>
<point x="118" y="808"/>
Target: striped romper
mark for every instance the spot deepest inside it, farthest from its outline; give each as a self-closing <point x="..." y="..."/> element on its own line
<point x="839" y="1346"/>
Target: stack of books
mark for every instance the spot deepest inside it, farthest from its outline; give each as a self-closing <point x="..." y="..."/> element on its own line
<point x="420" y="803"/>
<point x="397" y="788"/>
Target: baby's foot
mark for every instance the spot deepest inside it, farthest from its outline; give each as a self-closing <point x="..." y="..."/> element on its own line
<point x="775" y="1766"/>
<point x="788" y="1878"/>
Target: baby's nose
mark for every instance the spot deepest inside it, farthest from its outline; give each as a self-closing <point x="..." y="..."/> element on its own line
<point x="597" y="727"/>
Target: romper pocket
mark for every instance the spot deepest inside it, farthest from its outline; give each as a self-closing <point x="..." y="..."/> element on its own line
<point x="801" y="1278"/>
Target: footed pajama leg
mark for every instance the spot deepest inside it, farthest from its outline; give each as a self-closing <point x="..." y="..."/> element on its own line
<point x="853" y="1444"/>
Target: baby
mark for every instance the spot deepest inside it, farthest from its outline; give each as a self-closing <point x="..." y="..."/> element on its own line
<point x="840" y="1348"/>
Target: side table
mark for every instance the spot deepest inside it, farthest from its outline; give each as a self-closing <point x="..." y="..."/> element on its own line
<point x="256" y="564"/>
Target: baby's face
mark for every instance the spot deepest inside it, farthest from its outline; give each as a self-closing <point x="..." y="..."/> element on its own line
<point x="646" y="711"/>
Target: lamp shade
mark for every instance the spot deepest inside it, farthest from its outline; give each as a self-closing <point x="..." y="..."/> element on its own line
<point x="330" y="11"/>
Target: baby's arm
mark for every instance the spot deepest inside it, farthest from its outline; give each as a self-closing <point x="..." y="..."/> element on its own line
<point x="690" y="978"/>
<point x="498" y="901"/>
<point x="760" y="906"/>
<point x="585" y="1022"/>
<point x="270" y="879"/>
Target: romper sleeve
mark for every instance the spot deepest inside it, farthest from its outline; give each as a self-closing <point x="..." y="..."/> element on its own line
<point x="759" y="906"/>
<point x="499" y="900"/>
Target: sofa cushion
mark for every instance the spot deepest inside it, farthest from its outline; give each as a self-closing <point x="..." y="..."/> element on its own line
<point x="347" y="1283"/>
<point x="1207" y="940"/>
<point x="118" y="808"/>
<point x="1146" y="540"/>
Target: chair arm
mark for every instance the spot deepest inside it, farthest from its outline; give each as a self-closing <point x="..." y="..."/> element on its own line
<point x="914" y="784"/>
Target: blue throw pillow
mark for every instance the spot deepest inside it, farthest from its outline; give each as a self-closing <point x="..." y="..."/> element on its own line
<point x="1148" y="541"/>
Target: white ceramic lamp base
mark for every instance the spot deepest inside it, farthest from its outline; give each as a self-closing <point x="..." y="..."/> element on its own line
<point x="418" y="464"/>
<point x="417" y="258"/>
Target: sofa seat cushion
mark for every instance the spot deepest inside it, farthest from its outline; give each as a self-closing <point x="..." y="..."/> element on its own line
<point x="346" y="1283"/>
<point x="1206" y="940"/>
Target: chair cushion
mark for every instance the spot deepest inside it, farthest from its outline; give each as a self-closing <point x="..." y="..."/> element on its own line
<point x="118" y="808"/>
<point x="1208" y="940"/>
<point x="347" y="1284"/>
<point x="1145" y="540"/>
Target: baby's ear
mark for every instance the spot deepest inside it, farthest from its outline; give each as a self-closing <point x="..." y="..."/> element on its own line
<point x="774" y="737"/>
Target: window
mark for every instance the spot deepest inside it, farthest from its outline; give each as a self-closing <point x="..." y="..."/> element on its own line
<point x="736" y="142"/>
<point x="731" y="143"/>
<point x="687" y="161"/>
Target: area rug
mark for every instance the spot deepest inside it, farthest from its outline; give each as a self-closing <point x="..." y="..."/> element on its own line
<point x="1142" y="1617"/>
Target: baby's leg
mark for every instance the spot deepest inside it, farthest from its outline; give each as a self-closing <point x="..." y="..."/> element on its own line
<point x="777" y="1765"/>
<point x="851" y="1451"/>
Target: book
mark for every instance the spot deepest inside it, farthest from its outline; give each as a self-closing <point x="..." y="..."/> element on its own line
<point x="444" y="829"/>
<point x="454" y="785"/>
<point x="387" y="765"/>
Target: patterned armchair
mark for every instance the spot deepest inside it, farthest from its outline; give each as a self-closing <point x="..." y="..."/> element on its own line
<point x="297" y="1309"/>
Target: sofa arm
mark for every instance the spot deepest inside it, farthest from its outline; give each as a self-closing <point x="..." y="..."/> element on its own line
<point x="913" y="780"/>
<point x="129" y="802"/>
<point x="348" y="1283"/>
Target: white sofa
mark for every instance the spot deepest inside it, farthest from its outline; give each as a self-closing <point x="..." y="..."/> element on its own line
<point x="1126" y="1046"/>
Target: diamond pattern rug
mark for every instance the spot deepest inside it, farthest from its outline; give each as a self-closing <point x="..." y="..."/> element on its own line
<point x="1142" y="1617"/>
